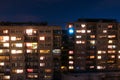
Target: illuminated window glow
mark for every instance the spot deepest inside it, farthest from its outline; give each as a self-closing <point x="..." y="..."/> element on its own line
<point x="99" y="57"/>
<point x="42" y="38"/>
<point x="2" y="63"/>
<point x="70" y="52"/>
<point x="18" y="71"/>
<point x="71" y="67"/>
<point x="71" y="62"/>
<point x="104" y="31"/>
<point x="78" y="36"/>
<point x="45" y="51"/>
<point x="83" y="25"/>
<point x="42" y="64"/>
<point x="42" y="57"/>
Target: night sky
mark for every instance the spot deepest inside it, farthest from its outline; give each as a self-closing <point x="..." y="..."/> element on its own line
<point x="57" y="12"/>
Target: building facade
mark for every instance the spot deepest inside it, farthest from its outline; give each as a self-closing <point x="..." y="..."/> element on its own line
<point x="28" y="52"/>
<point x="94" y="45"/>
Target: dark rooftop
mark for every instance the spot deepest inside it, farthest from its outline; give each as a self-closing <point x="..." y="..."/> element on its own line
<point x="96" y="20"/>
<point x="23" y="23"/>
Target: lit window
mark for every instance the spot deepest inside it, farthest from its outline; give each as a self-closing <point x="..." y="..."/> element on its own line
<point x="92" y="57"/>
<point x="111" y="36"/>
<point x="17" y="44"/>
<point x="13" y="38"/>
<point x="80" y="31"/>
<point x="29" y="31"/>
<point x="71" y="62"/>
<point x="70" y="57"/>
<point x="80" y="42"/>
<point x="78" y="36"/>
<point x="104" y="31"/>
<point x="111" y="46"/>
<point x="29" y="70"/>
<point x="48" y="70"/>
<point x="119" y="57"/>
<point x="91" y="67"/>
<point x="110" y="41"/>
<point x="70" y="26"/>
<point x="92" y="42"/>
<point x="16" y="51"/>
<point x="45" y="51"/>
<point x="31" y="45"/>
<point x="42" y="38"/>
<point x="6" y="77"/>
<point x="4" y="38"/>
<point x="32" y="76"/>
<point x="113" y="56"/>
<point x="42" y="64"/>
<point x="119" y="51"/>
<point x="42" y="57"/>
<point x="83" y="31"/>
<point x="5" y="44"/>
<point x="99" y="57"/>
<point x="5" y="31"/>
<point x="70" y="52"/>
<point x="92" y="36"/>
<point x="83" y="25"/>
<point x="71" y="67"/>
<point x="110" y="26"/>
<point x="99" y="52"/>
<point x="2" y="63"/>
<point x="88" y="31"/>
<point x="100" y="67"/>
<point x="111" y="51"/>
<point x="19" y="71"/>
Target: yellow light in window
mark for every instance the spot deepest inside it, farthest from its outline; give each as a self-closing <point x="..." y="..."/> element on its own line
<point x="5" y="38"/>
<point x="42" y="64"/>
<point x="42" y="38"/>
<point x="119" y="57"/>
<point x="110" y="41"/>
<point x="88" y="31"/>
<point x="19" y="70"/>
<point x="48" y="70"/>
<point x="29" y="31"/>
<point x="104" y="31"/>
<point x="70" y="25"/>
<point x="83" y="25"/>
<point x="71" y="62"/>
<point x="92" y="67"/>
<point x="83" y="31"/>
<point x="70" y="57"/>
<point x="92" y="57"/>
<point x="71" y="67"/>
<point x="19" y="45"/>
<point x="6" y="44"/>
<point x="13" y="38"/>
<point x="92" y="36"/>
<point x="1" y="51"/>
<point x="99" y="57"/>
<point x="99" y="52"/>
<point x="42" y="57"/>
<point x="5" y="31"/>
<point x="78" y="36"/>
<point x="7" y="77"/>
<point x="2" y="63"/>
<point x="113" y="56"/>
<point x="92" y="42"/>
<point x="44" y="51"/>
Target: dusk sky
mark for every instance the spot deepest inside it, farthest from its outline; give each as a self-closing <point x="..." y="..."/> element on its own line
<point x="57" y="12"/>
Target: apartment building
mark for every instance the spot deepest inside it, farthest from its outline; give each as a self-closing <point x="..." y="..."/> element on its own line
<point x="27" y="52"/>
<point x="93" y="45"/>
